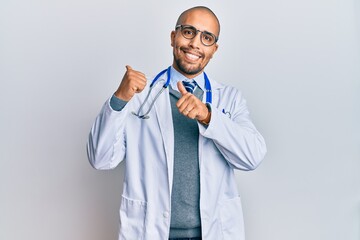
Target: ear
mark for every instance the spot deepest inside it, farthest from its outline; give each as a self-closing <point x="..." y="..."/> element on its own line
<point x="172" y="38"/>
<point x="215" y="48"/>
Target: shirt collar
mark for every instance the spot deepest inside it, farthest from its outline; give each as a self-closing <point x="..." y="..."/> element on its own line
<point x="177" y="76"/>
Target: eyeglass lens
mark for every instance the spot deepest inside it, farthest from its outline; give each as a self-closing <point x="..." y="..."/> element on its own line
<point x="190" y="32"/>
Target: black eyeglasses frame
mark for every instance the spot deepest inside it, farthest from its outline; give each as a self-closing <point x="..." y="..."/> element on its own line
<point x="196" y="30"/>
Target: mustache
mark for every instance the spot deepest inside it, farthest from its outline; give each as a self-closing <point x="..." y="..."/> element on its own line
<point x="186" y="49"/>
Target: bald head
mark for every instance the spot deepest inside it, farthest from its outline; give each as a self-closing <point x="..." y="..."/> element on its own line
<point x="203" y="9"/>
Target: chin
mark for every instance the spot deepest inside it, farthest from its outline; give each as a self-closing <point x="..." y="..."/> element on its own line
<point x="189" y="69"/>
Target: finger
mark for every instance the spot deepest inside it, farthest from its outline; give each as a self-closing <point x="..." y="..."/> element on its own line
<point x="140" y="83"/>
<point x="193" y="114"/>
<point x="138" y="74"/>
<point x="136" y="79"/>
<point x="186" y="106"/>
<point x="139" y="88"/>
<point x="181" y="88"/>
<point x="190" y="112"/>
<point x="133" y="74"/>
<point x="185" y="99"/>
<point x="182" y="103"/>
<point x="134" y="89"/>
<point x="128" y="68"/>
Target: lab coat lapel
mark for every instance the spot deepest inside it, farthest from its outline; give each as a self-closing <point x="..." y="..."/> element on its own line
<point x="215" y="87"/>
<point x="164" y="118"/>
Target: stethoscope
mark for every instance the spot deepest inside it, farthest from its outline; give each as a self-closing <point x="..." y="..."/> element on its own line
<point x="166" y="84"/>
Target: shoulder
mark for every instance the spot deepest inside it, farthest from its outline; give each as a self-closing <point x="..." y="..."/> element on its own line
<point x="222" y="88"/>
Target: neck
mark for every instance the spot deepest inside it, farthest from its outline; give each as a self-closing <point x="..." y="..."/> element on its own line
<point x="189" y="76"/>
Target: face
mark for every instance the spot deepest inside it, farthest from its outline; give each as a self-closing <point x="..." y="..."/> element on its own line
<point x="190" y="55"/>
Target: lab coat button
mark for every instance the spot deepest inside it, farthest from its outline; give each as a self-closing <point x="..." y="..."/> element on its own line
<point x="166" y="214"/>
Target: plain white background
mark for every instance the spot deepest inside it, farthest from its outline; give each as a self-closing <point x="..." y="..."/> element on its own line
<point x="297" y="63"/>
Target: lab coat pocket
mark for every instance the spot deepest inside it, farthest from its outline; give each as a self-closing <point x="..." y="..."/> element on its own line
<point x="132" y="218"/>
<point x="231" y="217"/>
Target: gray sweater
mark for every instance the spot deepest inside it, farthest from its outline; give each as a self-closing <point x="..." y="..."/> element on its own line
<point x="185" y="210"/>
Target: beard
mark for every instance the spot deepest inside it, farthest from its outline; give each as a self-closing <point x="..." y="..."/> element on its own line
<point x="186" y="68"/>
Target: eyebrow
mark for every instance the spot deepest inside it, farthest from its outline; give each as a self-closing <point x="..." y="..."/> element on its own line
<point x="197" y="29"/>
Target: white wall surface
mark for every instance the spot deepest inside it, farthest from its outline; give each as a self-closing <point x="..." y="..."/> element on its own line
<point x="297" y="63"/>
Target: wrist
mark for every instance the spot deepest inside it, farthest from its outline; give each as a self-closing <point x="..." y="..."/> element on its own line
<point x="206" y="120"/>
<point x="121" y="96"/>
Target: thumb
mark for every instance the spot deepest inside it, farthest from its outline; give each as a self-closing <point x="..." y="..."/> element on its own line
<point x="181" y="88"/>
<point x="128" y="68"/>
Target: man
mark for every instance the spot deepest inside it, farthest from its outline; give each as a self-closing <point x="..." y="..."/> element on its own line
<point x="182" y="140"/>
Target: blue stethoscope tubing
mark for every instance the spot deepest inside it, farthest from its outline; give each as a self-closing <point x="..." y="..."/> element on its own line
<point x="166" y="84"/>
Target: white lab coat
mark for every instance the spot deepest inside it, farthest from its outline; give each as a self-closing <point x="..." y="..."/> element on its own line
<point x="228" y="143"/>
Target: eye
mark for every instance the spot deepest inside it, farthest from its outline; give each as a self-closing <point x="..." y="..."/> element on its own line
<point x="208" y="38"/>
<point x="188" y="32"/>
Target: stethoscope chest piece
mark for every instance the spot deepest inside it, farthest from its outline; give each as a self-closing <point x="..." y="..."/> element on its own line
<point x="140" y="116"/>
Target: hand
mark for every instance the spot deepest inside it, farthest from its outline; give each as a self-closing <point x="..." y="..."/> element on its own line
<point x="191" y="106"/>
<point x="132" y="82"/>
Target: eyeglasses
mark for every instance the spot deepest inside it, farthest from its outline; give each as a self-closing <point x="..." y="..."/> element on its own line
<point x="190" y="32"/>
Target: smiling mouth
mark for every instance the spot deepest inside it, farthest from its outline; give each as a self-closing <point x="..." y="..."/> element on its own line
<point x="191" y="56"/>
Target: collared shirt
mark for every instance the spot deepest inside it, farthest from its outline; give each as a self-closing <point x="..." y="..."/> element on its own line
<point x="177" y="76"/>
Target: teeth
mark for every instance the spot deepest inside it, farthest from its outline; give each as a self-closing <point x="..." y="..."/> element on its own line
<point x="192" y="56"/>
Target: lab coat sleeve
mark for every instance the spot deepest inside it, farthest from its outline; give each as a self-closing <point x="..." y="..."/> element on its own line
<point x="236" y="138"/>
<point x="106" y="143"/>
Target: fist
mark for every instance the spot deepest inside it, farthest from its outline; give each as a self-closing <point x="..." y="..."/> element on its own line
<point x="132" y="82"/>
<point x="191" y="106"/>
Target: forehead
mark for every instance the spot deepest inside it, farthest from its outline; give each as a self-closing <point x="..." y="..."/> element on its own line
<point x="202" y="20"/>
